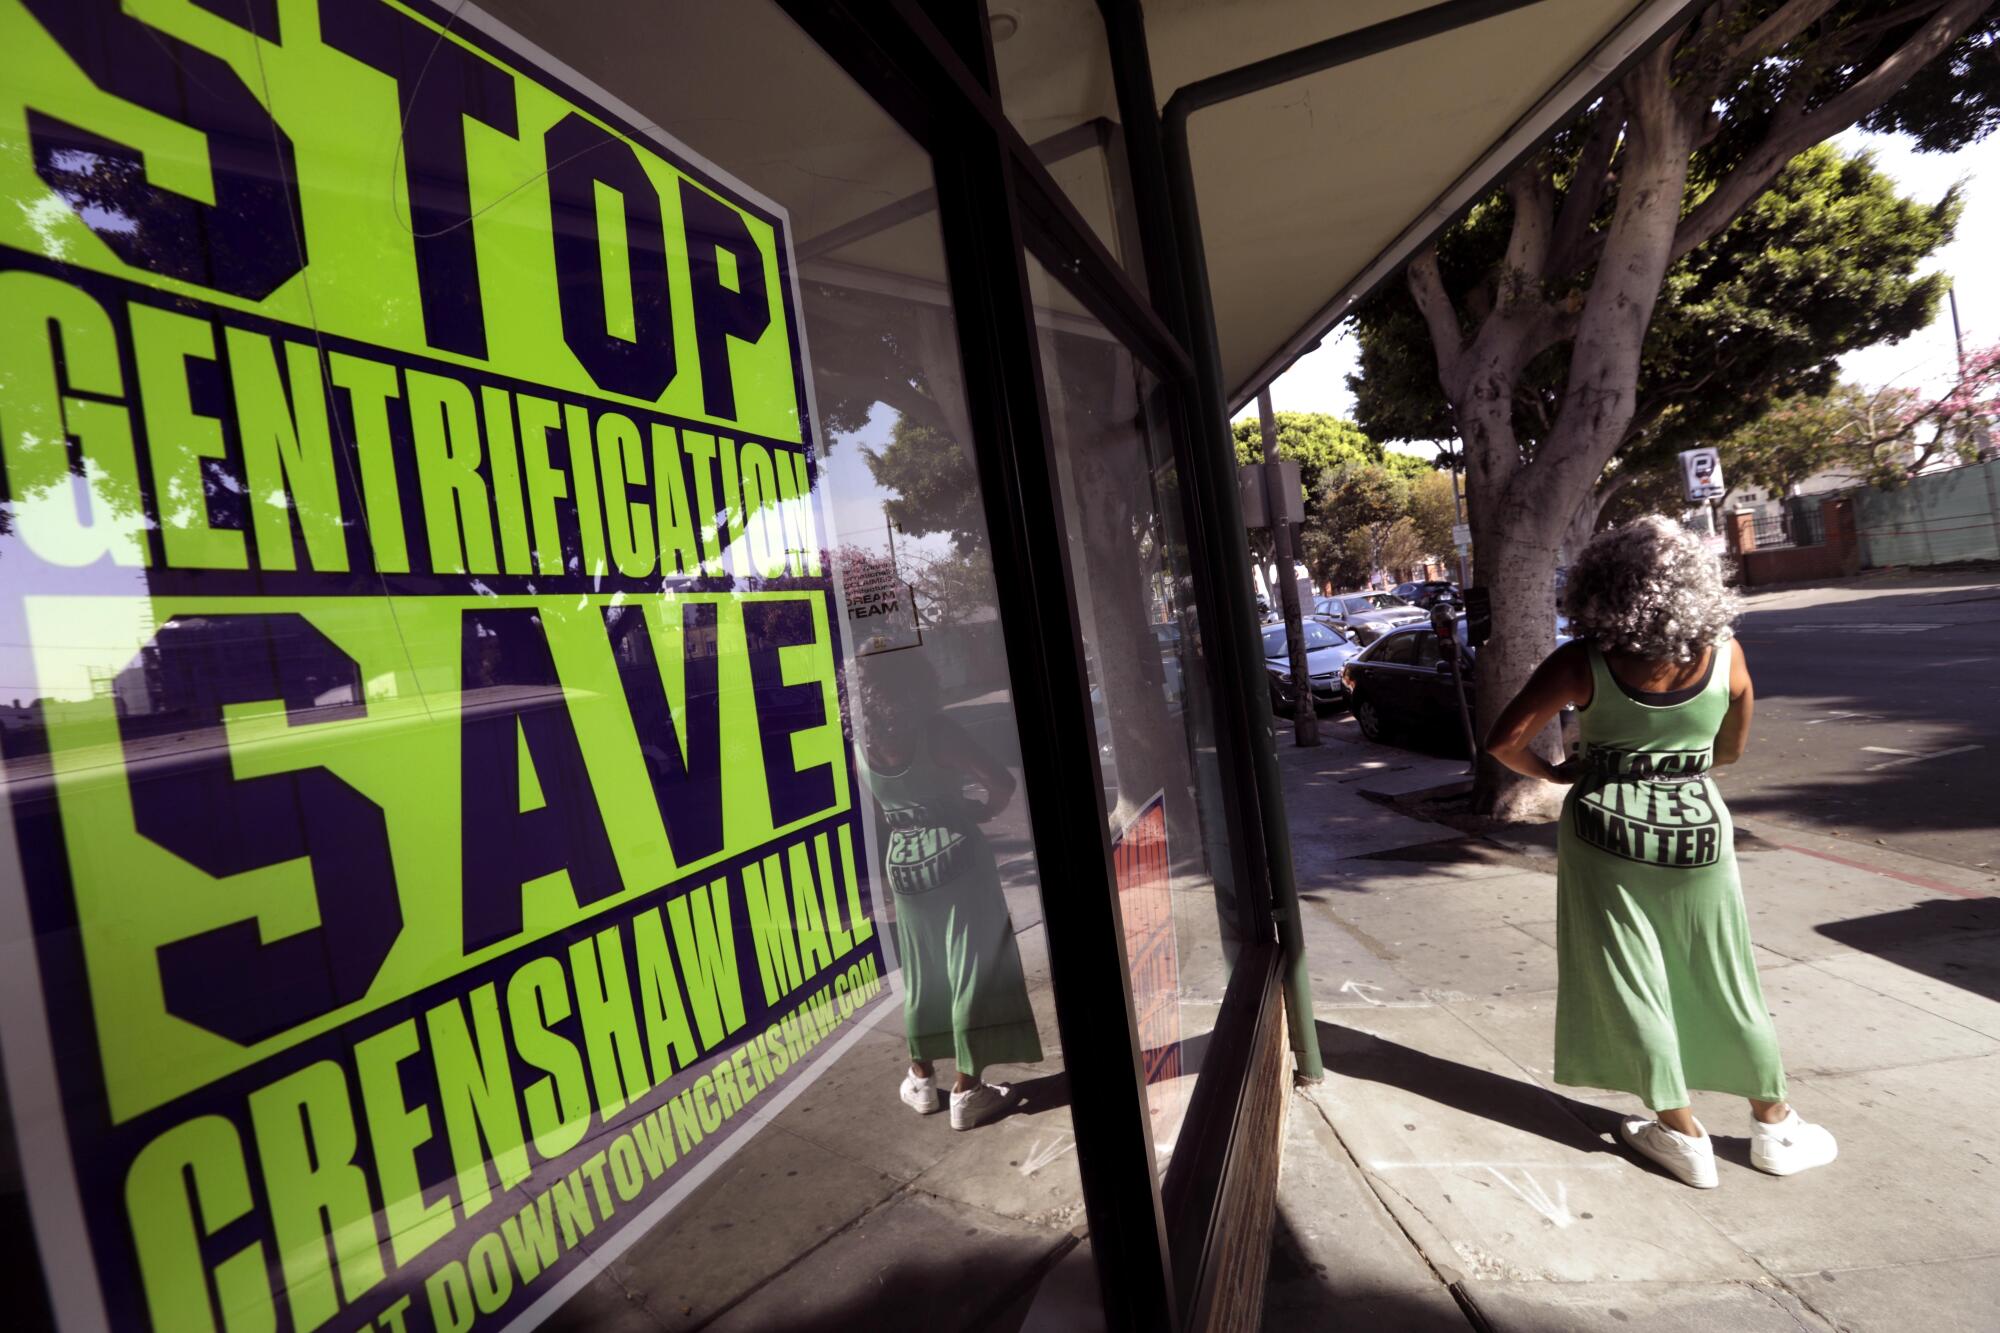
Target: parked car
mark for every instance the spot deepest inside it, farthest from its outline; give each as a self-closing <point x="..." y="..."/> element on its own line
<point x="1401" y="685"/>
<point x="1368" y="615"/>
<point x="1327" y="651"/>
<point x="1426" y="593"/>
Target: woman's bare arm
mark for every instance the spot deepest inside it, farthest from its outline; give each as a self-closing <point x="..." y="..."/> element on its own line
<point x="1734" y="734"/>
<point x="1563" y="678"/>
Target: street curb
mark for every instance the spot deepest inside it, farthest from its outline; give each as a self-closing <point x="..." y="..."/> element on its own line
<point x="1457" y="788"/>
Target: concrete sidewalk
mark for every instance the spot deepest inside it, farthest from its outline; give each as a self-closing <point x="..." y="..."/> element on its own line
<point x="1439" y="1179"/>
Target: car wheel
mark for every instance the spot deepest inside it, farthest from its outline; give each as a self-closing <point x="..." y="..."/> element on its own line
<point x="1279" y="708"/>
<point x="1369" y="718"/>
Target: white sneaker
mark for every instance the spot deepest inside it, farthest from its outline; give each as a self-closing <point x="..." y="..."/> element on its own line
<point x="979" y="1104"/>
<point x="1790" y="1146"/>
<point x="919" y="1094"/>
<point x="1690" y="1161"/>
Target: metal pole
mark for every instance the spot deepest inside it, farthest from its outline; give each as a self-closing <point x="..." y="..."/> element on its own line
<point x="1464" y="709"/>
<point x="1957" y="334"/>
<point x="1444" y="624"/>
<point x="1458" y="513"/>
<point x="1981" y="445"/>
<point x="1305" y="714"/>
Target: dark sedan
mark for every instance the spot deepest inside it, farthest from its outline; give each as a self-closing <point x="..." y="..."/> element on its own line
<point x="1327" y="651"/>
<point x="1401" y="685"/>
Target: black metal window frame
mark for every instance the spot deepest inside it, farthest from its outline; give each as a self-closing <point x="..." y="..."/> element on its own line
<point x="932" y="70"/>
<point x="931" y="67"/>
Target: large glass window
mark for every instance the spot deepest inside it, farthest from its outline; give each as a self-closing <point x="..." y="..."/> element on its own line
<point x="1150" y="692"/>
<point x="513" y="765"/>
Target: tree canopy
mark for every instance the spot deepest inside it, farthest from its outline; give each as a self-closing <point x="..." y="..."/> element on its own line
<point x="931" y="483"/>
<point x="1618" y="286"/>
<point x="1316" y="441"/>
<point x="1883" y="437"/>
<point x="1366" y="507"/>
<point x="1824" y="263"/>
<point x="1364" y="523"/>
<point x="1432" y="511"/>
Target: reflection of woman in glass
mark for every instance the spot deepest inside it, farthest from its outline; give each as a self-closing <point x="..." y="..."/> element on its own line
<point x="964" y="993"/>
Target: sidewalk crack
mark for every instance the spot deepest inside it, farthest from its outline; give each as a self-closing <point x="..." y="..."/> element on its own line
<point x="1775" y="1278"/>
<point x="1771" y="1291"/>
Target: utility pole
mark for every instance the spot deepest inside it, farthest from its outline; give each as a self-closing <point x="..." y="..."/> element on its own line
<point x="1305" y="715"/>
<point x="1981" y="448"/>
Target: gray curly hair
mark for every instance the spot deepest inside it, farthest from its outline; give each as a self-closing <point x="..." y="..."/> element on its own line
<point x="1649" y="588"/>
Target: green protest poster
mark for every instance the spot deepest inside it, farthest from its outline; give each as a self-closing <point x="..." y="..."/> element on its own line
<point x="430" y="829"/>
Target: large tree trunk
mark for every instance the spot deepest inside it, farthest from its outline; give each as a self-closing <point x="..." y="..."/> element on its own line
<point x="1521" y="576"/>
<point x="1517" y="567"/>
<point x="1521" y="509"/>
<point x="1583" y="523"/>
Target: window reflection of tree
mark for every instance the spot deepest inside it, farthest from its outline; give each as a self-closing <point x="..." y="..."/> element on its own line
<point x="1117" y="494"/>
<point x="869" y="347"/>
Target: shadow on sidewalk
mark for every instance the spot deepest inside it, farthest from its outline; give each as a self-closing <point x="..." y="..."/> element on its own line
<point x="1302" y="1293"/>
<point x="1045" y="1092"/>
<point x="905" y="1293"/>
<point x="1955" y="940"/>
<point x="1513" y="1102"/>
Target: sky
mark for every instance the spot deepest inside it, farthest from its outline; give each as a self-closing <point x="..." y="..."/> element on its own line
<point x="1317" y="382"/>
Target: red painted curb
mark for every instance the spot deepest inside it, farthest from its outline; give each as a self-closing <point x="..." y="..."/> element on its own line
<point x="1918" y="880"/>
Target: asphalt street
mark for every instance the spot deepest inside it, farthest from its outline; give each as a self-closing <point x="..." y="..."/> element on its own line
<point x="1878" y="714"/>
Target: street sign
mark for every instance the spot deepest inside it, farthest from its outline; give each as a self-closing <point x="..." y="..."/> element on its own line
<point x="1250" y="484"/>
<point x="1461" y="535"/>
<point x="1701" y="472"/>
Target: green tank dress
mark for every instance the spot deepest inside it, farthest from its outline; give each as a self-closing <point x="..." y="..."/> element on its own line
<point x="965" y="997"/>
<point x="1657" y="984"/>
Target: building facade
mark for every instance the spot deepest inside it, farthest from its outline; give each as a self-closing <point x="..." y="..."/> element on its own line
<point x="636" y="698"/>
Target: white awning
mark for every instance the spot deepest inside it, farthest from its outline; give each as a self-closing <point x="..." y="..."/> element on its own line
<point x="1313" y="191"/>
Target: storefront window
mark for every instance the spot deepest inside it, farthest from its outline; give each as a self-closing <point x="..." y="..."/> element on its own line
<point x="1150" y="690"/>
<point x="511" y="753"/>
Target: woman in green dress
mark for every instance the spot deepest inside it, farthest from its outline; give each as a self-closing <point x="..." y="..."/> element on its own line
<point x="965" y="996"/>
<point x="1657" y="989"/>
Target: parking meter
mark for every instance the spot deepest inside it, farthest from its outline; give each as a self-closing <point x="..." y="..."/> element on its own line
<point x="1445" y="622"/>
